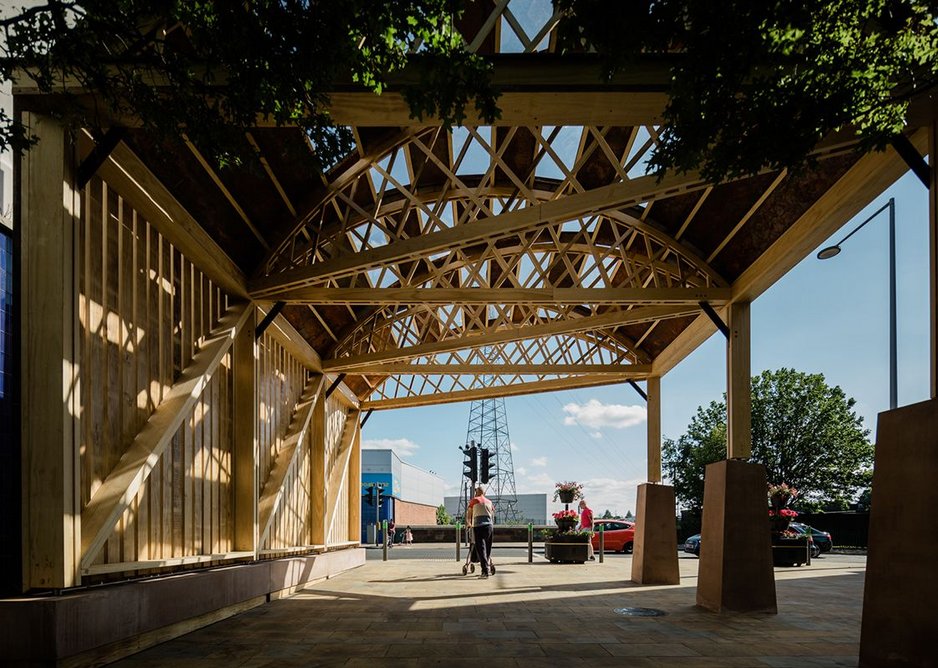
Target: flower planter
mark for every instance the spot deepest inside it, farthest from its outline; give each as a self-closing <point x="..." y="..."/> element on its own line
<point x="789" y="551"/>
<point x="566" y="553"/>
<point x="566" y="496"/>
<point x="565" y="525"/>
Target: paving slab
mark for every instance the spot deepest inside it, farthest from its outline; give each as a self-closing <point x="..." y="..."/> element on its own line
<point x="417" y="609"/>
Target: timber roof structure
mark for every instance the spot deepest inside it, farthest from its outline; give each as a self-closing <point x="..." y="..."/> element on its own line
<point x="530" y="255"/>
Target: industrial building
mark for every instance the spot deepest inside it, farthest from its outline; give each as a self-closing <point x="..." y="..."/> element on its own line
<point x="409" y="494"/>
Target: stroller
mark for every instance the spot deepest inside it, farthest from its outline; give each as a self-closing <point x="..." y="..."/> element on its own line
<point x="472" y="559"/>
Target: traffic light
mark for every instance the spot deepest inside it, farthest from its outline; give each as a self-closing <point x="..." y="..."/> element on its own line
<point x="485" y="466"/>
<point x="368" y="496"/>
<point x="471" y="464"/>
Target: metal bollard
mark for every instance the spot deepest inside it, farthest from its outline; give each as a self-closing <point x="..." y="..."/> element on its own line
<point x="602" y="542"/>
<point x="384" y="536"/>
<point x="530" y="543"/>
<point x="458" y="541"/>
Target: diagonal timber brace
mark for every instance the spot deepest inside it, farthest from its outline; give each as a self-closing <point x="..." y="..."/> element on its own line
<point x="121" y="486"/>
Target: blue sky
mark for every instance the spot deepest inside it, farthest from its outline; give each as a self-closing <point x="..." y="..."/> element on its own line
<point x="827" y="316"/>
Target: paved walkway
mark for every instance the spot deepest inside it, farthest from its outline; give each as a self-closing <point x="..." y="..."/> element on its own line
<point x="422" y="611"/>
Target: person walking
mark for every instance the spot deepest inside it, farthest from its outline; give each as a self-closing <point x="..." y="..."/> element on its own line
<point x="480" y="515"/>
<point x="586" y="524"/>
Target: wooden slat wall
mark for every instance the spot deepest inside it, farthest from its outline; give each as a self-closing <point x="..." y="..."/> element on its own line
<point x="143" y="311"/>
<point x="336" y="412"/>
<point x="281" y="380"/>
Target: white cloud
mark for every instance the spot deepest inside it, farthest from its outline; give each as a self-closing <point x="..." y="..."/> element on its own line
<point x="595" y="415"/>
<point x="521" y="471"/>
<point x="596" y="434"/>
<point x="514" y="448"/>
<point x="403" y="447"/>
<point x="539" y="461"/>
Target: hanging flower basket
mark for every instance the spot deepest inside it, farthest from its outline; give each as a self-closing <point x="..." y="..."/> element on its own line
<point x="781" y="519"/>
<point x="568" y="492"/>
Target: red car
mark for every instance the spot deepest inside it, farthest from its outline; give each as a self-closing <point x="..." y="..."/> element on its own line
<point x="619" y="535"/>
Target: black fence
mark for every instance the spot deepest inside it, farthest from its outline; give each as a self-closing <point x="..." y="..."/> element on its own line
<point x="847" y="529"/>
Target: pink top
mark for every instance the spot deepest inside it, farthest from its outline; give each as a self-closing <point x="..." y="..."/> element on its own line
<point x="586" y="519"/>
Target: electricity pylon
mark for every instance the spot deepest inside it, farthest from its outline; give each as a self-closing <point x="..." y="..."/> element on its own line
<point x="488" y="428"/>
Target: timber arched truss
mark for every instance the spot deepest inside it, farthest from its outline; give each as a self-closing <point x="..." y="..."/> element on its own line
<point x="492" y="260"/>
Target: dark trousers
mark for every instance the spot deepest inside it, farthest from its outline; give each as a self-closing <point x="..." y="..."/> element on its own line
<point x="483" y="545"/>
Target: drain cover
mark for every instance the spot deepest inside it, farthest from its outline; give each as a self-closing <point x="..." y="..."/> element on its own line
<point x="640" y="612"/>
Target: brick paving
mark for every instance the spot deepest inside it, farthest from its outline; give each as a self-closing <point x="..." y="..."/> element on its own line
<point x="417" y="609"/>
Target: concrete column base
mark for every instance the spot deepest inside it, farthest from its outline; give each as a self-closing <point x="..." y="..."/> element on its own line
<point x="654" y="558"/>
<point x="735" y="571"/>
<point x="901" y="580"/>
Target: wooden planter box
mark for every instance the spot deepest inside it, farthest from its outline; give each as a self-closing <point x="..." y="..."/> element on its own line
<point x="790" y="552"/>
<point x="566" y="553"/>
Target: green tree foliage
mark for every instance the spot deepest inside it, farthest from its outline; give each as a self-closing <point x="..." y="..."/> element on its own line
<point x="684" y="460"/>
<point x="753" y="84"/>
<point x="804" y="432"/>
<point x="758" y="84"/>
<point x="443" y="517"/>
<point x="607" y="515"/>
<point x="220" y="64"/>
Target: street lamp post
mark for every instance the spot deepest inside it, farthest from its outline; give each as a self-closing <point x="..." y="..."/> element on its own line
<point x="831" y="251"/>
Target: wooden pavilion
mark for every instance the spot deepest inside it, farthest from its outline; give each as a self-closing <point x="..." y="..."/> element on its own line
<point x="200" y="347"/>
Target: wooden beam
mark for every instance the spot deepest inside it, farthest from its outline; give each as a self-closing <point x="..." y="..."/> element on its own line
<point x="504" y="295"/>
<point x="517" y="389"/>
<point x="244" y="453"/>
<point x="613" y="196"/>
<point x="102" y="149"/>
<point x="46" y="215"/>
<point x="338" y="476"/>
<point x="295" y="440"/>
<point x="869" y="176"/>
<point x="738" y="391"/>
<point x="486" y="338"/>
<point x="597" y="108"/>
<point x="630" y="370"/>
<point x="654" y="428"/>
<point x="122" y="484"/>
<point x="128" y="175"/>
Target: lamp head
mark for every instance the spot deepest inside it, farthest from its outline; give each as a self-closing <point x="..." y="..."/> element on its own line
<point x="828" y="253"/>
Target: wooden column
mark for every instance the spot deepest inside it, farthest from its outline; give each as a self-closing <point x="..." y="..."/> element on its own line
<point x="654" y="559"/>
<point x="355" y="488"/>
<point x="738" y="392"/>
<point x="653" y="388"/>
<point x="735" y="571"/>
<point x="317" y="470"/>
<point x="244" y="448"/>
<point x="47" y="210"/>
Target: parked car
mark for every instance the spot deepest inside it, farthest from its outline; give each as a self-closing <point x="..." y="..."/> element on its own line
<point x="803" y="529"/>
<point x="692" y="544"/>
<point x="821" y="538"/>
<point x="619" y="535"/>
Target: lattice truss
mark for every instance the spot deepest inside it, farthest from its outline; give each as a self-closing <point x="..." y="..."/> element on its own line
<point x="461" y="239"/>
